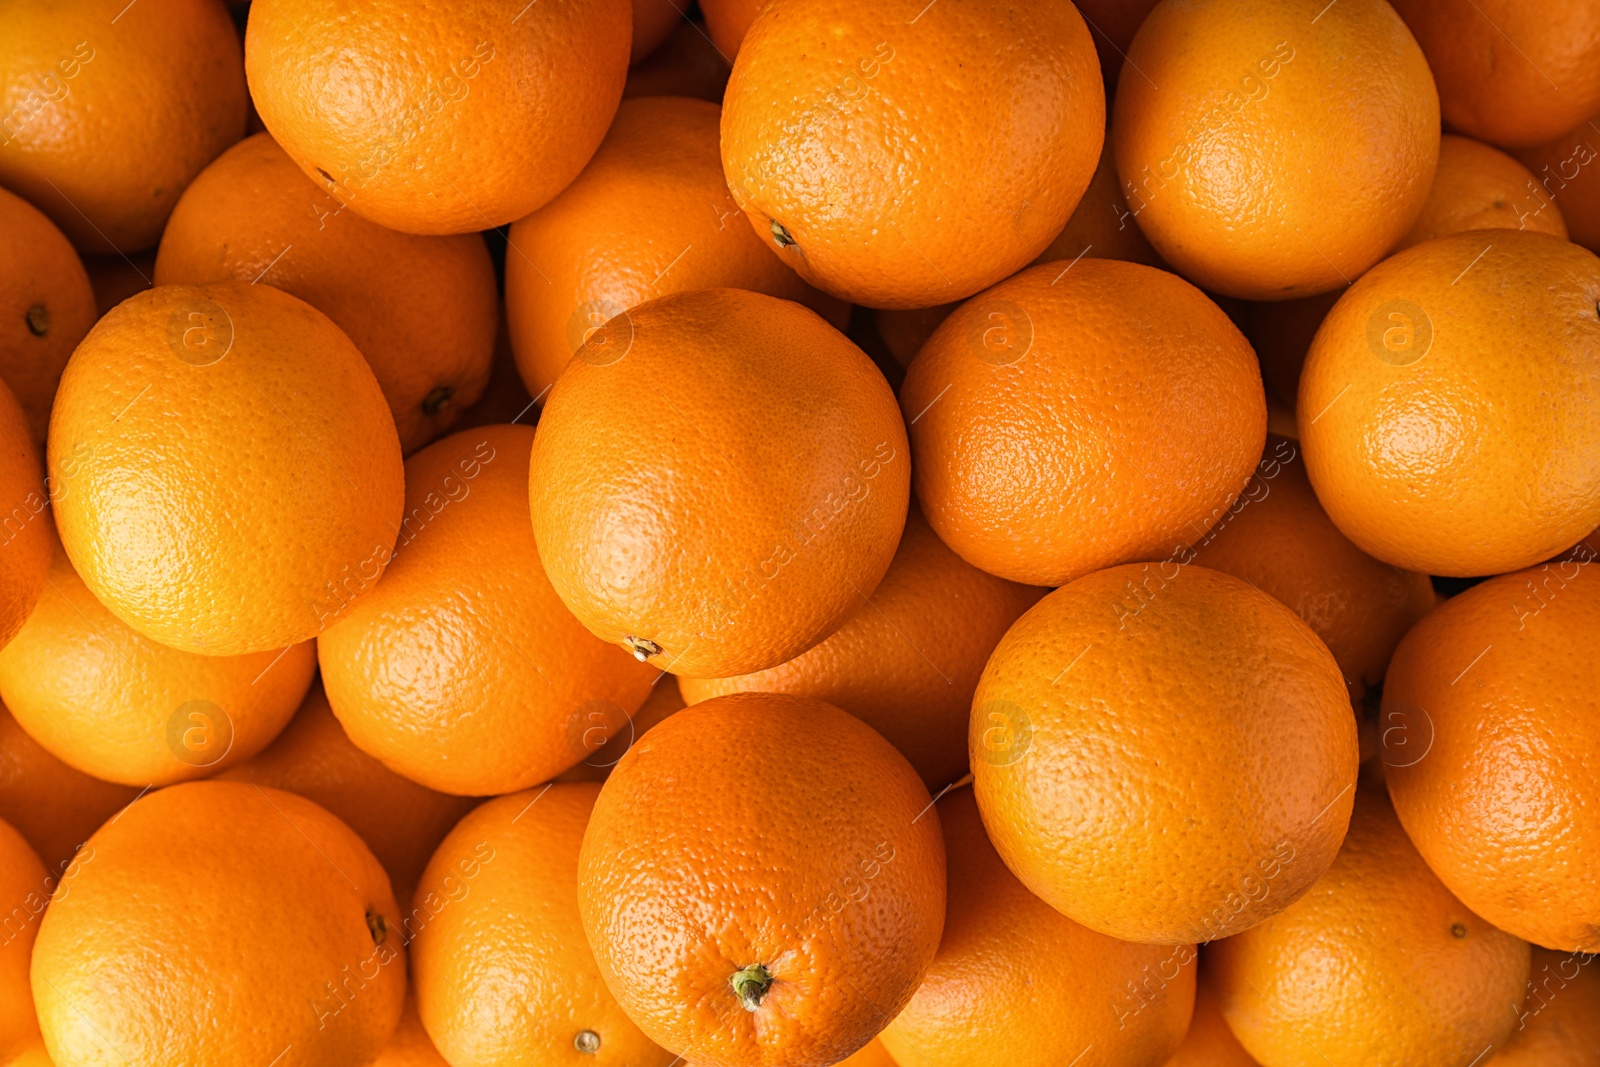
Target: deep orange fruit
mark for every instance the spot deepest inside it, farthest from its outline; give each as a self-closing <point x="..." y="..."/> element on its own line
<point x="410" y="1046"/>
<point x="25" y="537"/>
<point x="727" y="21"/>
<point x="653" y="21"/>
<point x="1567" y="169"/>
<point x="1102" y="225"/>
<point x="687" y="64"/>
<point x="1209" y="1042"/>
<point x="1559" y="1024"/>
<point x="1477" y="187"/>
<point x="1113" y="23"/>
<point x="24" y="894"/>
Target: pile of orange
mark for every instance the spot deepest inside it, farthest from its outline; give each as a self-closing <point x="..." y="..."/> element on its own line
<point x="780" y="533"/>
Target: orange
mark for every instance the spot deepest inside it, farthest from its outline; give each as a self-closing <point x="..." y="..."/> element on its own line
<point x="110" y="109"/>
<point x="1102" y="225"/>
<point x="1480" y="188"/>
<point x="1446" y="406"/>
<point x="872" y="1054"/>
<point x="251" y="898"/>
<point x="46" y="306"/>
<point x="762" y="882"/>
<point x="223" y="468"/>
<point x="665" y="699"/>
<point x="420" y="309"/>
<point x="653" y="22"/>
<point x="1559" y="1025"/>
<point x="905" y="332"/>
<point x="687" y="64"/>
<point x="116" y="277"/>
<point x="34" y="1056"/>
<point x="1114" y="22"/>
<point x="1209" y="1042"/>
<point x="1016" y="984"/>
<point x="956" y="184"/>
<point x="1565" y="169"/>
<point x="410" y="1046"/>
<point x="1377" y="966"/>
<point x="503" y="972"/>
<point x="1116" y="391"/>
<point x="1490" y="742"/>
<point x="649" y="216"/>
<point x="727" y="21"/>
<point x="400" y="821"/>
<point x="24" y="892"/>
<point x="1289" y="145"/>
<point x="24" y="521"/>
<point x="907" y="661"/>
<point x="1510" y="73"/>
<point x="54" y="806"/>
<point x="462" y="670"/>
<point x="1163" y="753"/>
<point x="1281" y="332"/>
<point x="445" y="119"/>
<point x="720" y="478"/>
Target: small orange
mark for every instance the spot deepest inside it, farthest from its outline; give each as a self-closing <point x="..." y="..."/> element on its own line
<point x="410" y="1046"/>
<point x="665" y="699"/>
<point x="762" y="882"/>
<point x="1116" y="391"/>
<point x="1209" y="1042"/>
<point x="1559" y="1024"/>
<point x="653" y="22"/>
<point x="1480" y="188"/>
<point x="727" y="21"/>
<point x="688" y="64"/>
<point x="956" y="185"/>
<point x="1567" y="169"/>
<point x="1102" y="225"/>
<point x="24" y="893"/>
<point x="224" y="470"/>
<point x="24" y="519"/>
<point x="1114" y="22"/>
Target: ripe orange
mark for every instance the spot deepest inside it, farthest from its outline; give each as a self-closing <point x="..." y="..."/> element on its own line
<point x="1236" y="146"/>
<point x="1480" y="188"/>
<point x="907" y="661"/>
<point x="1116" y="391"/>
<point x="762" y="882"/>
<point x="410" y="1046"/>
<point x="665" y="699"/>
<point x="1163" y="753"/>
<point x="956" y="187"/>
<point x="1490" y="742"/>
<point x="1446" y="406"/>
<point x="250" y="898"/>
<point x="24" y="892"/>
<point x="446" y="119"/>
<point x="224" y="471"/>
<point x="1016" y="984"/>
<point x="462" y="670"/>
<point x="653" y="21"/>
<point x="420" y="309"/>
<point x="720" y="478"/>
<point x="1559" y="1024"/>
<point x="1209" y="1042"/>
<point x="46" y="306"/>
<point x="1567" y="171"/>
<point x="24" y="521"/>
<point x="1102" y="225"/>
<point x="503" y="972"/>
<point x="1377" y="966"/>
<point x="687" y="64"/>
<point x="727" y="21"/>
<point x="650" y="215"/>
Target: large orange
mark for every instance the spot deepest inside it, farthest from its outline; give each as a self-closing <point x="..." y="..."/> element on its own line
<point x="650" y="215"/>
<point x="420" y="309"/>
<point x="24" y="519"/>
<point x="720" y="478"/>
<point x="1377" y="966"/>
<point x="110" y="109"/>
<point x="1559" y="1025"/>
<point x="1115" y="391"/>
<point x="24" y="893"/>
<point x="687" y="64"/>
<point x="503" y="972"/>
<point x="275" y="931"/>
<point x="54" y="806"/>
<point x="763" y="882"/>
<point x="905" y="154"/>
<point x="907" y="661"/>
<point x="1275" y="148"/>
<point x="462" y="670"/>
<point x="1163" y="753"/>
<point x="991" y="1000"/>
<point x="1477" y="187"/>
<point x="1446" y="406"/>
<point x="727" y="21"/>
<point x="1567" y="169"/>
<point x="444" y="119"/>
<point x="1491" y="738"/>
<point x="224" y="470"/>
<point x="1209" y="1042"/>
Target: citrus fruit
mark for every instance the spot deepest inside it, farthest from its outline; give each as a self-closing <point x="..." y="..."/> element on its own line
<point x="462" y="670"/>
<point x="665" y="699"/>
<point x="687" y="64"/>
<point x="444" y="120"/>
<point x="410" y="1046"/>
<point x="1113" y="23"/>
<point x="720" y="478"/>
<point x="24" y="893"/>
<point x="24" y="521"/>
<point x="907" y="661"/>
<point x="872" y="1054"/>
<point x="992" y="1000"/>
<point x="1235" y="145"/>
<point x="1102" y="225"/>
<point x="1477" y="187"/>
<point x="1163" y="753"/>
<point x="1209" y="1042"/>
<point x="1445" y="406"/>
<point x="952" y="190"/>
<point x="653" y="21"/>
<point x="1376" y="965"/>
<point x="224" y="471"/>
<point x="1559" y="1024"/>
<point x="34" y="1056"/>
<point x="420" y="309"/>
<point x="1563" y="169"/>
<point x="1114" y="390"/>
<point x="249" y="897"/>
<point x="503" y="973"/>
<point x="727" y="21"/>
<point x="762" y="882"/>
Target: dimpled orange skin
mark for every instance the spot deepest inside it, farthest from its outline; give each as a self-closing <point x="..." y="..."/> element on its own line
<point x="247" y="897"/>
<point x="463" y="671"/>
<point x="410" y="1046"/>
<point x="224" y="470"/>
<point x="1163" y="758"/>
<point x="1279" y="157"/>
<point x="1566" y="170"/>
<point x="986" y="120"/>
<point x="421" y="309"/>
<point x="503" y="973"/>
<point x="727" y="21"/>
<point x="1559" y="1024"/>
<point x="988" y="1002"/>
<point x="54" y="806"/>
<point x="1111" y="389"/>
<point x="650" y="215"/>
<point x="1377" y="966"/>
<point x="445" y="120"/>
<point x="1209" y="1042"/>
<point x="1480" y="455"/>
<point x="25" y="551"/>
<point x="144" y="98"/>
<point x="729" y="488"/>
<point x="1477" y="187"/>
<point x="24" y="892"/>
<point x="1498" y="804"/>
<point x="905" y="664"/>
<point x="825" y="867"/>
